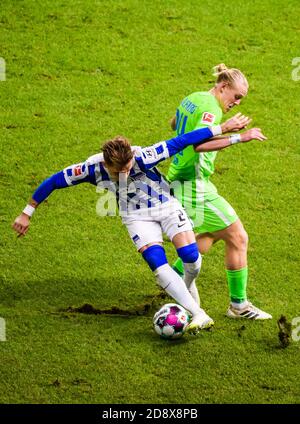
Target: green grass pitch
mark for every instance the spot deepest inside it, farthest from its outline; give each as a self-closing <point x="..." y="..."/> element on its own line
<point x="78" y="73"/>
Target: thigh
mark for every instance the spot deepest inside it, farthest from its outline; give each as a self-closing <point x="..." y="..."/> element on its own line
<point x="183" y="239"/>
<point x="229" y="232"/>
<point x="218" y="215"/>
<point x="143" y="233"/>
<point x="208" y="210"/>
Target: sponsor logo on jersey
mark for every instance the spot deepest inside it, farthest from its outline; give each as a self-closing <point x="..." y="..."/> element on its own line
<point x="207" y="118"/>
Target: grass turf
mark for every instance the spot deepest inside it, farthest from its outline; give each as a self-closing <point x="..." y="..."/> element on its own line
<point x="78" y="73"/>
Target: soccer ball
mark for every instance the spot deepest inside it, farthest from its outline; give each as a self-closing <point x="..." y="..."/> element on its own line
<point x="171" y="321"/>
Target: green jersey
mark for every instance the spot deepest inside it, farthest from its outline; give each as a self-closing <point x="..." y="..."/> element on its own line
<point x="198" y="110"/>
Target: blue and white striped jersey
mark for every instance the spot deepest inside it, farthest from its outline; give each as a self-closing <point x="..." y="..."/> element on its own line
<point x="144" y="188"/>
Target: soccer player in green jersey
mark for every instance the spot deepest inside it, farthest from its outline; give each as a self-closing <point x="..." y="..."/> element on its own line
<point x="213" y="217"/>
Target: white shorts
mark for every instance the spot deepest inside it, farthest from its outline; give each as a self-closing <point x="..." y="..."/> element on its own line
<point x="143" y="231"/>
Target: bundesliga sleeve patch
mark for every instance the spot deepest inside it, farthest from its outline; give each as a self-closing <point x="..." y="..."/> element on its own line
<point x="75" y="173"/>
<point x="208" y="118"/>
<point x="78" y="171"/>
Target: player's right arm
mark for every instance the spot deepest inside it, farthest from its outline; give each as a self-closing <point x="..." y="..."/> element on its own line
<point x="22" y="221"/>
<point x="72" y="175"/>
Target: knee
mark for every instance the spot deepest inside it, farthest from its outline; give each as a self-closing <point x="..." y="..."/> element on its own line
<point x="191" y="259"/>
<point x="239" y="239"/>
<point x="189" y="253"/>
<point x="243" y="239"/>
<point x="155" y="256"/>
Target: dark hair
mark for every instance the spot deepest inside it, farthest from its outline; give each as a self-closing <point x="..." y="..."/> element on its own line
<point x="117" y="152"/>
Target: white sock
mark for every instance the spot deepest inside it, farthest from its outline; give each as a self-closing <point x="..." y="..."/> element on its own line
<point x="239" y="305"/>
<point x="191" y="272"/>
<point x="194" y="292"/>
<point x="174" y="285"/>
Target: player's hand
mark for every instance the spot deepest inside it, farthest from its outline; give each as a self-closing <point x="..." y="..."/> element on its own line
<point x="253" y="134"/>
<point x="21" y="224"/>
<point x="173" y="123"/>
<point x="236" y="123"/>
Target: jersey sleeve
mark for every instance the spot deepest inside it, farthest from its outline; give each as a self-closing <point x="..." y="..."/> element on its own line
<point x="72" y="175"/>
<point x="198" y="136"/>
<point x="79" y="173"/>
<point x="150" y="156"/>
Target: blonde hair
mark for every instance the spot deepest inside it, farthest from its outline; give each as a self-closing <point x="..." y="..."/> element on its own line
<point x="231" y="76"/>
<point x="117" y="152"/>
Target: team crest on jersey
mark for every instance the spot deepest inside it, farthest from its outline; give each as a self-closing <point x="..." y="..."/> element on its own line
<point x="149" y="152"/>
<point x="154" y="153"/>
<point x="207" y="118"/>
<point x="135" y="238"/>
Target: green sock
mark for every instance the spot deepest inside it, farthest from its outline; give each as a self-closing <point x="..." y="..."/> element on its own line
<point x="237" y="283"/>
<point x="178" y="267"/>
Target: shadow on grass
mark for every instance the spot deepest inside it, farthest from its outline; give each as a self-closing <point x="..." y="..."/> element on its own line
<point x="75" y="295"/>
<point x="143" y="309"/>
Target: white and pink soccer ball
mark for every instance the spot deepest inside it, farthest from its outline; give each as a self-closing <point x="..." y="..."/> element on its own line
<point x="171" y="321"/>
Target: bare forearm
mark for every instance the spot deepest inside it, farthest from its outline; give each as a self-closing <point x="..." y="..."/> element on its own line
<point x="217" y="143"/>
<point x="221" y="142"/>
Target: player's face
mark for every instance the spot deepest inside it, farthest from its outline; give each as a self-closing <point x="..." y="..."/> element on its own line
<point x="117" y="173"/>
<point x="231" y="96"/>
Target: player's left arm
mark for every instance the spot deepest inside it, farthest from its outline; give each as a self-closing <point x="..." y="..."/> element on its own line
<point x="220" y="143"/>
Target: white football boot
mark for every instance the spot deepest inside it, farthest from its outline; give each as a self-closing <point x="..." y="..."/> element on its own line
<point x="249" y="311"/>
<point x="200" y="321"/>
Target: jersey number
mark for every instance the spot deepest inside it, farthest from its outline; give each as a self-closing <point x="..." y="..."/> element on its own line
<point x="181" y="218"/>
<point x="181" y="120"/>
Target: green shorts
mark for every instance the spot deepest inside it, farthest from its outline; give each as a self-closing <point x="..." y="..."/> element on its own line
<point x="208" y="210"/>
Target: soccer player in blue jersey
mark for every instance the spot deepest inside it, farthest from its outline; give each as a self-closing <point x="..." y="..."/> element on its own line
<point x="146" y="206"/>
